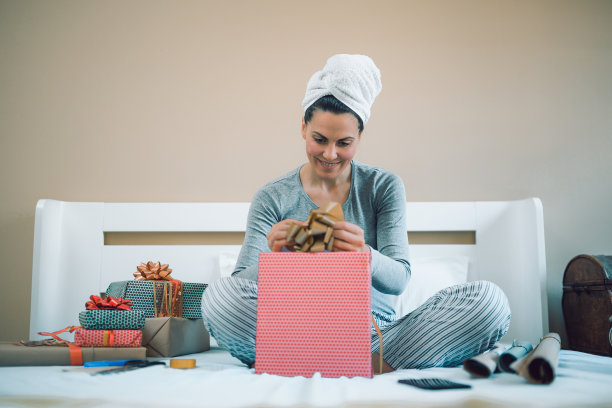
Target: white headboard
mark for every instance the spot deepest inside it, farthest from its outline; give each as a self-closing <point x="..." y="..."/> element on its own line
<point x="71" y="260"/>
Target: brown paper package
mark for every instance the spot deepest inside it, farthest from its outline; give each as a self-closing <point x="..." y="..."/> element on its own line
<point x="174" y="336"/>
<point x="15" y="354"/>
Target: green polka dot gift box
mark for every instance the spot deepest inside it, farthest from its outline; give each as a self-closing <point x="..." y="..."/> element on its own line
<point x="161" y="298"/>
<point x="112" y="319"/>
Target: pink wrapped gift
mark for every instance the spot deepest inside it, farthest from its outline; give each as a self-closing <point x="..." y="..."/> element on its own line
<point x="314" y="314"/>
<point x="107" y="338"/>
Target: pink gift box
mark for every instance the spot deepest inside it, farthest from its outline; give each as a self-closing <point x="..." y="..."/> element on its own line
<point x="314" y="314"/>
<point x="107" y="338"/>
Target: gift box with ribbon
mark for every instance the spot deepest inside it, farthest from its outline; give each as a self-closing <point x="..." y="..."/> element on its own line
<point x="59" y="351"/>
<point x="60" y="354"/>
<point x="156" y="294"/>
<point x="300" y="296"/>
<point x="107" y="338"/>
<point x="111" y="314"/>
<point x="112" y="319"/>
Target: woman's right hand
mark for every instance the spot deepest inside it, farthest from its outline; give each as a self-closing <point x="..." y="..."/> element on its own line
<point x="277" y="238"/>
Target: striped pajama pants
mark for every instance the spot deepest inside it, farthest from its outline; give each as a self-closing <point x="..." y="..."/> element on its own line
<point x="455" y="324"/>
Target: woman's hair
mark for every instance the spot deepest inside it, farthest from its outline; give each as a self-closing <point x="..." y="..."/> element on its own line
<point x="329" y="103"/>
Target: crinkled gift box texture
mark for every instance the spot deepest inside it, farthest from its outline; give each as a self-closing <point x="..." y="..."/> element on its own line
<point x="174" y="336"/>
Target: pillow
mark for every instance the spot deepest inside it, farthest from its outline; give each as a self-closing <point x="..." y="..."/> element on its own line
<point x="227" y="262"/>
<point x="430" y="275"/>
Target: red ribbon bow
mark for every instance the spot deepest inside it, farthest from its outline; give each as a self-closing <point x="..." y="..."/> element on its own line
<point x="110" y="302"/>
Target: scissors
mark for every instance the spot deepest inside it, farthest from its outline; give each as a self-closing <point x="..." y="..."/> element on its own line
<point x="129" y="366"/>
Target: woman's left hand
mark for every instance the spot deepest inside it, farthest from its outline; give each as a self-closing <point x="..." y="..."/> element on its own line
<point x="349" y="237"/>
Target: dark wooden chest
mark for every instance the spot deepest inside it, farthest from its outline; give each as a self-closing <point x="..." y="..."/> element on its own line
<point x="587" y="303"/>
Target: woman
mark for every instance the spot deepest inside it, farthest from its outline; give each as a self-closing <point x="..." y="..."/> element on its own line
<point x="455" y="324"/>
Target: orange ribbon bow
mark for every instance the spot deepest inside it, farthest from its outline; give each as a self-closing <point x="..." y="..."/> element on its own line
<point x="153" y="271"/>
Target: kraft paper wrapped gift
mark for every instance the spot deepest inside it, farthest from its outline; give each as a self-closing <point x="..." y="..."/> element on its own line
<point x="174" y="336"/>
<point x="16" y="354"/>
<point x="149" y="296"/>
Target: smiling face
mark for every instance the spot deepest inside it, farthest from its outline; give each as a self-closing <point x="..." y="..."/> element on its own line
<point x="331" y="142"/>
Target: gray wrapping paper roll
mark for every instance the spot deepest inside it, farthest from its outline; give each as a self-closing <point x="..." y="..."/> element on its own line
<point x="540" y="365"/>
<point x="518" y="350"/>
<point x="483" y="365"/>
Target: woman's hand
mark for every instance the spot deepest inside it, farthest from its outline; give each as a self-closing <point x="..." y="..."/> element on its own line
<point x="277" y="238"/>
<point x="349" y="237"/>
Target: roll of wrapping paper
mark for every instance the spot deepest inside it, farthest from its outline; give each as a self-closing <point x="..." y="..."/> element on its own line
<point x="518" y="350"/>
<point x="483" y="365"/>
<point x="540" y="365"/>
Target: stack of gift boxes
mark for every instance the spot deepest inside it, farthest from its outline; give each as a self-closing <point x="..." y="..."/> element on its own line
<point x="153" y="310"/>
<point x="172" y="310"/>
<point x="150" y="316"/>
<point x="109" y="322"/>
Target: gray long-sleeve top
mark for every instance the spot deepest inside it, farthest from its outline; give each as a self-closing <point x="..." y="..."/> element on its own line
<point x="376" y="203"/>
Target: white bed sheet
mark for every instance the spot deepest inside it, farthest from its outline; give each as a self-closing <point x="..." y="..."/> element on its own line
<point x="219" y="380"/>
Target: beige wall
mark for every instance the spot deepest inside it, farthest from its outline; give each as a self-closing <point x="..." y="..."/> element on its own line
<point x="200" y="101"/>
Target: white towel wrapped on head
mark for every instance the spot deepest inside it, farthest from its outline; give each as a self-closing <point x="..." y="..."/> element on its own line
<point x="353" y="79"/>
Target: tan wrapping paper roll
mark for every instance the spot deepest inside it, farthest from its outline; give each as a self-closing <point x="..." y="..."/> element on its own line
<point x="540" y="366"/>
<point x="518" y="350"/>
<point x="483" y="365"/>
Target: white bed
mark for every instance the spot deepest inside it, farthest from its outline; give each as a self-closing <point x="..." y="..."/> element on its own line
<point x="91" y="244"/>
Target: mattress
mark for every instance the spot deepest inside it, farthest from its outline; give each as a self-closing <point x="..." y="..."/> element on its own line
<point x="219" y="380"/>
